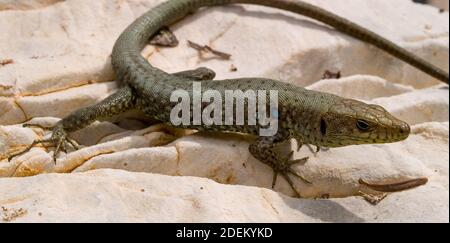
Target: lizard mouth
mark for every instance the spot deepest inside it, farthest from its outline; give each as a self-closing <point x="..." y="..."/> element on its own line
<point x="375" y="138"/>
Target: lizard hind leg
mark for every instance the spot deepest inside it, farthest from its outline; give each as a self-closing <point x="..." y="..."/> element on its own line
<point x="264" y="150"/>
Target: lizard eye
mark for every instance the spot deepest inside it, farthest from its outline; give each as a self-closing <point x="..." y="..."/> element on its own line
<point x="362" y="125"/>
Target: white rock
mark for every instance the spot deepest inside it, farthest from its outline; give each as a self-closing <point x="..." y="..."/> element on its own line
<point x="25" y="4"/>
<point x="429" y="105"/>
<point x="360" y="87"/>
<point x="119" y="196"/>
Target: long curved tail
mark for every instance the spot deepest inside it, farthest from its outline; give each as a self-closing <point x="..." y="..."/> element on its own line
<point x="127" y="49"/>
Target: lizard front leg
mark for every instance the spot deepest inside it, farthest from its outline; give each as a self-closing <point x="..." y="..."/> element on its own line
<point x="121" y="101"/>
<point x="264" y="150"/>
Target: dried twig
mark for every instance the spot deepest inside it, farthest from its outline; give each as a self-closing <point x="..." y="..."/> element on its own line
<point x="206" y="48"/>
<point x="395" y="187"/>
<point x="4" y="62"/>
<point x="331" y="75"/>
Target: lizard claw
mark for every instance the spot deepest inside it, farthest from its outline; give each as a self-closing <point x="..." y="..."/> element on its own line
<point x="314" y="151"/>
<point x="299" y="146"/>
<point x="299" y="176"/>
<point x="57" y="139"/>
<point x="283" y="167"/>
<point x="73" y="143"/>
<point x="36" y="125"/>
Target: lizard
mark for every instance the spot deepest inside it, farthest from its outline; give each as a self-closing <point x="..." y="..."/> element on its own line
<point x="310" y="117"/>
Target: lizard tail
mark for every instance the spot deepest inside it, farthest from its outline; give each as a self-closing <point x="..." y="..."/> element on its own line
<point x="127" y="49"/>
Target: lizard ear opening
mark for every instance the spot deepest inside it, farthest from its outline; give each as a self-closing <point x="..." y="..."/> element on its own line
<point x="323" y="127"/>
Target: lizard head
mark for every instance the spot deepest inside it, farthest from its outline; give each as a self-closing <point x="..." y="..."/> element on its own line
<point x="351" y="122"/>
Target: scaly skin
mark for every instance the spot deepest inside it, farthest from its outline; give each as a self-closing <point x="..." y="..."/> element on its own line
<point x="311" y="117"/>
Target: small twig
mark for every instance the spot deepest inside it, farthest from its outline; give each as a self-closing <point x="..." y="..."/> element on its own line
<point x="233" y="68"/>
<point x="207" y="48"/>
<point x="331" y="75"/>
<point x="4" y="62"/>
<point x="195" y="46"/>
